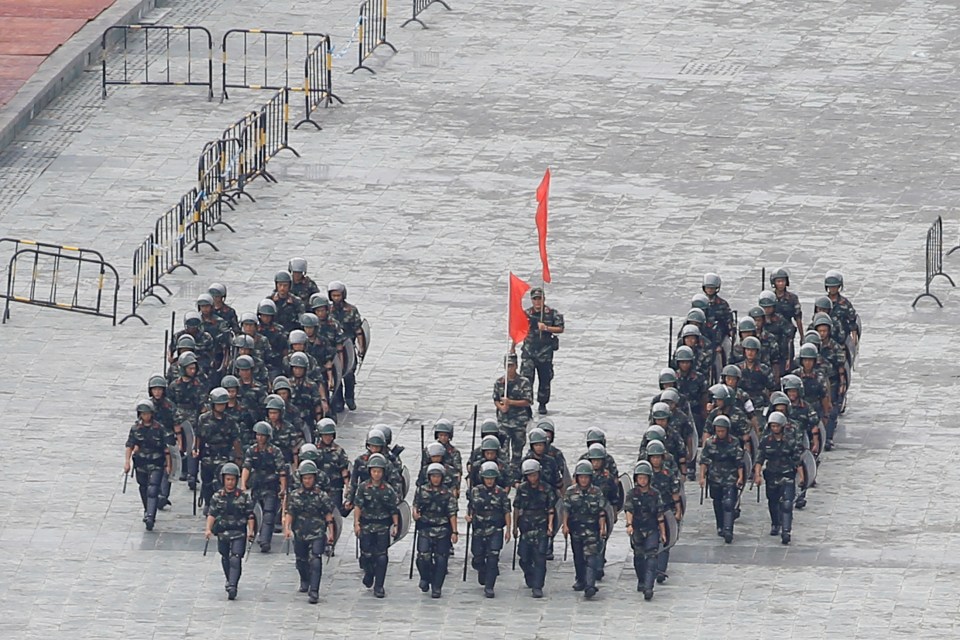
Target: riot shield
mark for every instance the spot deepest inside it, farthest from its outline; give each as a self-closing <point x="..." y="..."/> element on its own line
<point x="626" y="484"/>
<point x="307" y="434"/>
<point x="257" y="517"/>
<point x="365" y="327"/>
<point x="673" y="529"/>
<point x="405" y="520"/>
<point x="350" y="356"/>
<point x="404" y="482"/>
<point x="175" y="461"/>
<point x="809" y="468"/>
<point x="611" y="518"/>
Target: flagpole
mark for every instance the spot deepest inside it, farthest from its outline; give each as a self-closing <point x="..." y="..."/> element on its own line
<point x="509" y="337"/>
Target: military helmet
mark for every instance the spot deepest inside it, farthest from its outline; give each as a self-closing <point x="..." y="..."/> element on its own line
<point x="811" y="337"/>
<point x="489" y="427"/>
<point x="583" y="468"/>
<point x="263" y="429"/>
<point x="711" y="280"/>
<point x="192" y="319"/>
<point x="243" y="341"/>
<point x="808" y="351"/>
<point x="156" y="381"/>
<point x="597" y="452"/>
<point x="297" y="265"/>
<point x="490" y="443"/>
<point x="656" y="448"/>
<point x="336" y="285"/>
<point x="186" y="360"/>
<point x="307" y="447"/>
<point x="596" y="435"/>
<point x="244" y="362"/>
<point x="375" y="438"/>
<point x="643" y="468"/>
<point x="299" y="359"/>
<point x="307" y="468"/>
<point x="282" y="382"/>
<point x="275" y="402"/>
<point x="751" y="342"/>
<point x="230" y="469"/>
<point x="387" y="434"/>
<point x="435" y="468"/>
<point x="529" y="466"/>
<point x="822" y="319"/>
<point x="319" y="300"/>
<point x="667" y="376"/>
<point x="309" y="320"/>
<point x="217" y="290"/>
<point x="145" y="406"/>
<point x="823" y="302"/>
<point x="767" y="298"/>
<point x="187" y="341"/>
<point x="655" y="432"/>
<point x="690" y="330"/>
<point x="204" y="300"/>
<point x="669" y="395"/>
<point x="219" y="395"/>
<point x="443" y="426"/>
<point x="377" y="461"/>
<point x="779" y="273"/>
<point x="489" y="469"/>
<point x="721" y="421"/>
<point x="776" y="417"/>
<point x="745" y="325"/>
<point x="547" y="425"/>
<point x="683" y="354"/>
<point x="756" y="312"/>
<point x="731" y="370"/>
<point x="538" y="436"/>
<point x="833" y="279"/>
<point x="282" y="276"/>
<point x="661" y="411"/>
<point x="791" y="381"/>
<point x="267" y="307"/>
<point x="778" y="397"/>
<point x="298" y="337"/>
<point x="721" y="392"/>
<point x="327" y="426"/>
<point x="696" y="315"/>
<point x="248" y="317"/>
<point x="700" y="301"/>
<point x="435" y="449"/>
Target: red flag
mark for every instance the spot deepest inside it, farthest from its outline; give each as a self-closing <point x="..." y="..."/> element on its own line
<point x="542" y="192"/>
<point x="518" y="323"/>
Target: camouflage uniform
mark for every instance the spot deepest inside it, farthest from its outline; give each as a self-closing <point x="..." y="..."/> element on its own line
<point x="723" y="459"/>
<point x="252" y="397"/>
<point x="489" y="507"/>
<point x="218" y="442"/>
<point x="278" y="340"/>
<point x="757" y="381"/>
<point x="450" y="479"/>
<point x="533" y="506"/>
<point x="645" y="513"/>
<point x="608" y="463"/>
<point x="187" y="398"/>
<point x="288" y="439"/>
<point x="537" y="351"/>
<point x="349" y="319"/>
<point x="782" y="457"/>
<point x="312" y="513"/>
<point x="150" y="447"/>
<point x="307" y="398"/>
<point x="808" y="420"/>
<point x="229" y="315"/>
<point x="436" y="506"/>
<point x="550" y="472"/>
<point x="206" y="346"/>
<point x="585" y="507"/>
<point x="667" y="484"/>
<point x="289" y="310"/>
<point x="845" y="314"/>
<point x="333" y="462"/>
<point x="360" y="474"/>
<point x="231" y="512"/>
<point x="378" y="509"/>
<point x="508" y="473"/>
<point x="816" y="390"/>
<point x="266" y="467"/>
<point x="788" y="308"/>
<point x="740" y="426"/>
<point x="304" y="289"/>
<point x="720" y="318"/>
<point x="782" y="332"/>
<point x="692" y="387"/>
<point x="513" y="423"/>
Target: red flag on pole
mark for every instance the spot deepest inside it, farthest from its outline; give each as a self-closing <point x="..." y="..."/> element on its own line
<point x="518" y="325"/>
<point x="542" y="192"/>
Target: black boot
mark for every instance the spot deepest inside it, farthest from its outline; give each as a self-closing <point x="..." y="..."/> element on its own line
<point x="304" y="572"/>
<point x="379" y="576"/>
<point x="316" y="573"/>
<point x="774" y="529"/>
<point x="590" y="580"/>
<point x="542" y="409"/>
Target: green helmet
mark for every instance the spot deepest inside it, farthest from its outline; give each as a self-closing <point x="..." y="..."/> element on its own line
<point x="721" y="421"/>
<point x="597" y="452"/>
<point x="780" y="273"/>
<point x="756" y="312"/>
<point x="776" y="417"/>
<point x="696" y="315"/>
<point x="731" y="370"/>
<point x="275" y="402"/>
<point x="778" y="397"/>
<point x="219" y="395"/>
<point x="443" y="426"/>
<point x="327" y="427"/>
<point x="750" y="342"/>
<point x="297" y="336"/>
<point x="387" y="434"/>
<point x="204" y="300"/>
<point x="812" y="337"/>
<point x="192" y="319"/>
<point x="767" y="298"/>
<point x="711" y="280"/>
<point x="655" y="448"/>
<point x="243" y="341"/>
<point x="489" y="469"/>
<point x="669" y="395"/>
<point x="746" y="325"/>
<point x="230" y="469"/>
<point x="157" y="382"/>
<point x="721" y="392"/>
<point x="809" y="351"/>
<point x="690" y="330"/>
<point x="683" y="354"/>
<point x="243" y="363"/>
<point x="230" y="382"/>
<point x="547" y="425"/>
<point x="318" y="300"/>
<point x="145" y="406"/>
<point x="435" y="449"/>
<point x="700" y="301"/>
<point x="822" y="319"/>
<point x="823" y="302"/>
<point x="186" y="360"/>
<point x="375" y="438"/>
<point x="297" y="265"/>
<point x="282" y="276"/>
<point x="667" y="376"/>
<point x="538" y="436"/>
<point x="309" y="320"/>
<point x="280" y="383"/>
<point x="655" y="432"/>
<point x="490" y="443"/>
<point x="377" y="461"/>
<point x="583" y="468"/>
<point x="263" y="429"/>
<point x="643" y="468"/>
<point x="299" y="359"/>
<point x="187" y="341"/>
<point x="307" y="468"/>
<point x="435" y="468"/>
<point x="596" y="435"/>
<point x="791" y="382"/>
<point x="267" y="308"/>
<point x="489" y="427"/>
<point x="833" y="279"/>
<point x="661" y="411"/>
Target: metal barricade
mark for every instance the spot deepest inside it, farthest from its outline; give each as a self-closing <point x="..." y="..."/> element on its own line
<point x="275" y="129"/>
<point x="178" y="58"/>
<point x="372" y="31"/>
<point x="419" y="6"/>
<point x="318" y="81"/>
<point x="933" y="261"/>
<point x="48" y="261"/>
<point x="240" y="157"/>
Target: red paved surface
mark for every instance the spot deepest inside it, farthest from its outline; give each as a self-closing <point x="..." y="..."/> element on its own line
<point x="30" y="30"/>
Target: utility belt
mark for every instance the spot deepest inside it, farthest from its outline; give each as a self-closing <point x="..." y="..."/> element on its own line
<point x="495" y="518"/>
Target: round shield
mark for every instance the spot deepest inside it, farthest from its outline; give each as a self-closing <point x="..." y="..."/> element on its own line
<point x="174" y="460"/>
<point x="673" y="529"/>
<point x="626" y="484"/>
<point x="683" y="504"/>
<point x="809" y="468"/>
<point x="188" y="437"/>
<point x="754" y="440"/>
<point x="691" y="444"/>
<point x="307" y="434"/>
<point x="337" y="526"/>
<point x="404" y="481"/>
<point x="257" y="517"/>
<point x="559" y="508"/>
<point x="564" y="472"/>
<point x="365" y="327"/>
<point x="611" y="518"/>
<point x="747" y="463"/>
<point x="350" y="356"/>
<point x="337" y="373"/>
<point x="806" y="442"/>
<point x="405" y="519"/>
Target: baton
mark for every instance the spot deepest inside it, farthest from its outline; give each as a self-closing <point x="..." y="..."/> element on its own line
<point x="249" y="549"/>
<point x="413" y="553"/>
<point x="701" y="495"/>
<point x="513" y="567"/>
<point x="564" y="547"/>
<point x="125" y="477"/>
<point x="286" y="546"/>
<point x="195" y="497"/>
<point x="206" y="544"/>
<point x="466" y="551"/>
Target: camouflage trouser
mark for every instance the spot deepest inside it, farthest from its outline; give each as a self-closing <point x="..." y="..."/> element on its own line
<point x="645" y="544"/>
<point x="542" y="369"/>
<point x="231" y="553"/>
<point x="532" y="550"/>
<point x="587" y="561"/>
<point x="516" y="436"/>
<point x="309" y="554"/>
<point x="780" y="499"/>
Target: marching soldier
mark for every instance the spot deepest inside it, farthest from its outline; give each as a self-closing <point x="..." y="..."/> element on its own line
<point x="252" y="396"/>
<point x="585" y="521"/>
<point x="186" y="394"/>
<point x="164" y="414"/>
<point x="285" y="436"/>
<point x="375" y="443"/>
<point x="321" y="350"/>
<point x="217" y="442"/>
<point x="723" y="405"/>
<point x="262" y="349"/>
<point x="720" y="465"/>
<point x="719" y="311"/>
<point x="778" y="462"/>
<point x="550" y="472"/>
<point x="275" y="334"/>
<point x="218" y="293"/>
<point x="691" y="386"/>
<point x="788" y="304"/>
<point x="816" y="388"/>
<point x="488" y="427"/>
<point x="351" y="323"/>
<point x="218" y="329"/>
<point x="308" y="519"/>
<point x="836" y="369"/>
<point x="435" y="454"/>
<point x="595" y="435"/>
<point x="435" y="510"/>
<point x="443" y="432"/>
<point x="301" y="285"/>
<point x="533" y="517"/>
<point x="842" y="309"/>
<point x="375" y="518"/>
<point x="756" y="378"/>
<point x="667" y="483"/>
<point x="230" y="515"/>
<point x="332" y="460"/>
<point x="490" y="451"/>
<point x="546" y="324"/>
<point x="645" y="526"/>
<point x="147" y="447"/>
<point x="552" y="450"/>
<point x="778" y="326"/>
<point x="513" y="408"/>
<point x="489" y="515"/>
<point x="265" y="476"/>
<point x="289" y="307"/>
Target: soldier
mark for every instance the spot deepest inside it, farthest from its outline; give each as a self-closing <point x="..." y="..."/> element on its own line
<point x="309" y="398"/>
<point x="781" y="456"/>
<point x="553" y="451"/>
<point x="667" y="483"/>
<point x="671" y="438"/>
<point x="546" y="324"/>
<point x="435" y="510"/>
<point x="217" y="327"/>
<point x="585" y="521"/>
<point x="443" y="432"/>
<point x="322" y="351"/>
<point x="265" y="476"/>
<point x="609" y="484"/>
<point x="756" y="378"/>
<point x="802" y="413"/>
<point x="645" y="526"/>
<point x="286" y="437"/>
<point x="328" y="329"/>
<point x="217" y="442"/>
<point x="842" y="309"/>
<point x="720" y="311"/>
<point x="788" y="304"/>
<point x="489" y="514"/>
<point x="533" y="517"/>
<point x="289" y="307"/>
<point x="308" y="517"/>
<point x="708" y="339"/>
<point x="218" y="293"/>
<point x="301" y="285"/>
<point x="231" y="513"/>
<point x="490" y="451"/>
<point x="816" y="388"/>
<point x="595" y="435"/>
<point x="374" y="515"/>
<point x="244" y="345"/>
<point x="164" y="412"/>
<point x="778" y="326"/>
<point x="283" y="389"/>
<point x="350" y="321"/>
<point x="434" y="454"/>
<point x="274" y="333"/>
<point x="836" y="369"/>
<point x="720" y="465"/>
<point x="770" y="352"/>
<point x="332" y="460"/>
<point x="691" y="385"/>
<point x="262" y="350"/>
<point x="731" y="376"/>
<point x="186" y="394"/>
<point x="549" y="469"/>
<point x="148" y="447"/>
<point x="723" y="405"/>
<point x="252" y="396"/>
<point x="488" y="427"/>
<point x="375" y="443"/>
<point x="513" y="408"/>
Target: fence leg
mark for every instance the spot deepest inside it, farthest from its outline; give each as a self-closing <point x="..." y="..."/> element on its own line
<point x="926" y="294"/>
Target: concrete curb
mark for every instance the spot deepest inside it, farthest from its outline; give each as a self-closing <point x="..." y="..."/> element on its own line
<point x="63" y="66"/>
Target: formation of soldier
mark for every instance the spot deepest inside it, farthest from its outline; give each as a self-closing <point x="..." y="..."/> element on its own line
<point x="741" y="402"/>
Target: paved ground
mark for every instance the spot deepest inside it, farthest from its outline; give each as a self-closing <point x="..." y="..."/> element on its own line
<point x="684" y="137"/>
